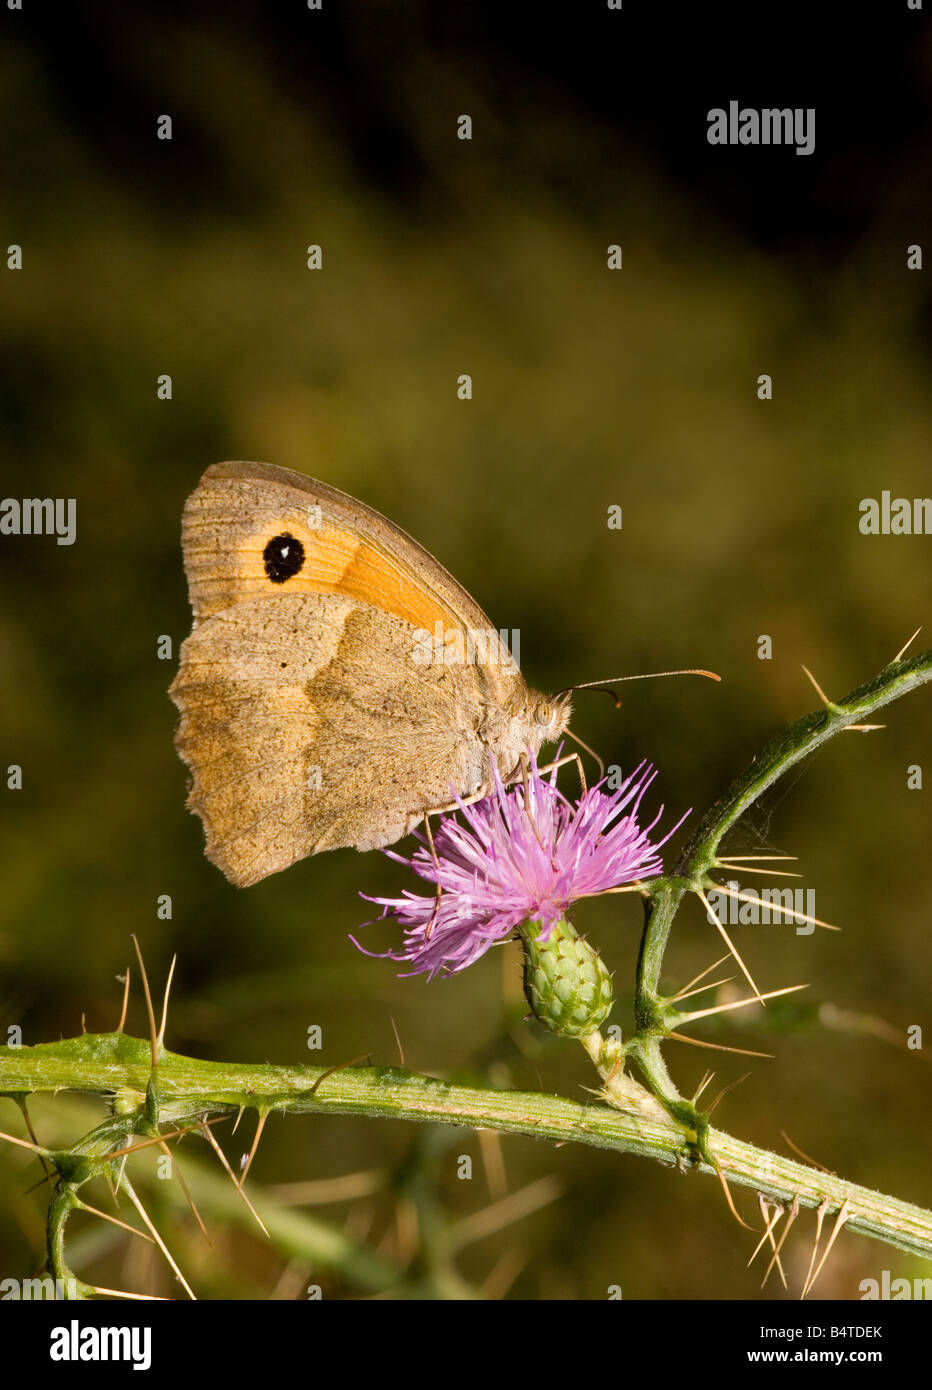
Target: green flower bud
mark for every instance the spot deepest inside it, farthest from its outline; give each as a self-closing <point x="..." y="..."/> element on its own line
<point x="565" y="982"/>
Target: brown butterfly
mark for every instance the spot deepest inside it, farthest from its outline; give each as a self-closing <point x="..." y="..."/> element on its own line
<point x="338" y="681"/>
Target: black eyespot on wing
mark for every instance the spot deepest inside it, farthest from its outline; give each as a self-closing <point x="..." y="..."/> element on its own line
<point x="283" y="557"/>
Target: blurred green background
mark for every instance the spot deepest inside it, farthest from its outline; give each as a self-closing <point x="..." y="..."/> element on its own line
<point x="591" y="388"/>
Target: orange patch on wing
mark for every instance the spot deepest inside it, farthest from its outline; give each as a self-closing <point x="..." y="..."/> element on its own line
<point x="341" y="562"/>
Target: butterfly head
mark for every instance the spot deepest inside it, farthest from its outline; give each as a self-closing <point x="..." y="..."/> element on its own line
<point x="543" y="719"/>
<point x="550" y="715"/>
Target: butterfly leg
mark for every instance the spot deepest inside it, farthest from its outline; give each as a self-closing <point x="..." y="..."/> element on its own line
<point x="480" y="795"/>
<point x="486" y="787"/>
<point x="561" y="762"/>
<point x="523" y="766"/>
<point x="433" y="855"/>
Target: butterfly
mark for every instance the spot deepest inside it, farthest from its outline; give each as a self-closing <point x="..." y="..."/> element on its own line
<point x="338" y="684"/>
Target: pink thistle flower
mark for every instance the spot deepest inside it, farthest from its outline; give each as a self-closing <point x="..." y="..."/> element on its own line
<point x="497" y="875"/>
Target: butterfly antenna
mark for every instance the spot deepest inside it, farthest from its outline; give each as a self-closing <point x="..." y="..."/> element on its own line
<point x="607" y="683"/>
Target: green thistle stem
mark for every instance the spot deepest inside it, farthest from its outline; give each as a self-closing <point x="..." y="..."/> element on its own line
<point x="105" y="1064"/>
<point x="787" y="748"/>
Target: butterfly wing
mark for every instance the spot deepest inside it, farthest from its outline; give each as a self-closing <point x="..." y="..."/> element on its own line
<point x="305" y="720"/>
<point x="309" y="728"/>
<point x="238" y="510"/>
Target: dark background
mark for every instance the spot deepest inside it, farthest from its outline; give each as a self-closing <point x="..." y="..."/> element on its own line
<point x="591" y="388"/>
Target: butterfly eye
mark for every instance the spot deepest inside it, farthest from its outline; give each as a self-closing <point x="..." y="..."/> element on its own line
<point x="283" y="557"/>
<point x="544" y="713"/>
